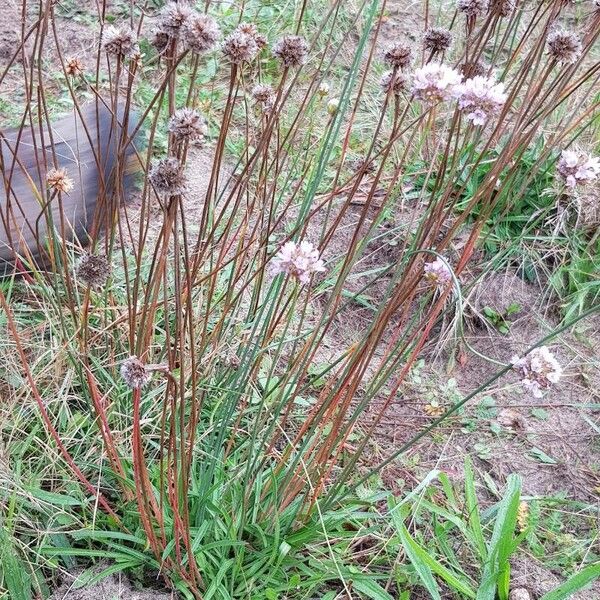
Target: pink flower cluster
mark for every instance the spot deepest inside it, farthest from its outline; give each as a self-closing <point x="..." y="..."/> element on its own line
<point x="539" y="370"/>
<point x="437" y="272"/>
<point x="578" y="167"/>
<point x="480" y="98"/>
<point x="297" y="260"/>
<point x="435" y="82"/>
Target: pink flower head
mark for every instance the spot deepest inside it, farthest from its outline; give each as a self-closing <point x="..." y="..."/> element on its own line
<point x="539" y="369"/>
<point x="480" y="98"/>
<point x="297" y="260"/>
<point x="435" y="82"/>
<point x="578" y="167"/>
<point x="437" y="272"/>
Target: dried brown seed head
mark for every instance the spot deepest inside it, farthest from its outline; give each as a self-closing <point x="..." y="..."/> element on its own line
<point x="473" y="69"/>
<point x="503" y="7"/>
<point x="58" y="181"/>
<point x="437" y="39"/>
<point x="200" y="33"/>
<point x="172" y="18"/>
<point x="167" y="177"/>
<point x="473" y="8"/>
<point x="239" y="47"/>
<point x="291" y="50"/>
<point x="395" y="83"/>
<point x="121" y="41"/>
<point x="159" y="40"/>
<point x="398" y="55"/>
<point x="187" y="124"/>
<point x="93" y="270"/>
<point x="134" y="373"/>
<point x="564" y="46"/>
<point x="252" y="30"/>
<point x="262" y="93"/>
<point x="73" y="67"/>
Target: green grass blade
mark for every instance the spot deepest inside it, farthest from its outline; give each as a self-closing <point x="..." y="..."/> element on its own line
<point x="502" y="543"/>
<point x="426" y="565"/>
<point x="574" y="583"/>
<point x="371" y="589"/>
<point x="12" y="569"/>
<point x="473" y="516"/>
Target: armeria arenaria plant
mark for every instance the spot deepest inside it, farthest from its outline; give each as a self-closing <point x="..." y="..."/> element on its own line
<point x="198" y="468"/>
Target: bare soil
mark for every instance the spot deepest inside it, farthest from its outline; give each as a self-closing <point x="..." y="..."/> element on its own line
<point x="110" y="588"/>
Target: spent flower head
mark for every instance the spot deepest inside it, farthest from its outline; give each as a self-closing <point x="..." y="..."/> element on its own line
<point x="172" y="17"/>
<point x="252" y="30"/>
<point x="159" y="40"/>
<point x="187" y="124"/>
<point x="473" y="69"/>
<point x="57" y="180"/>
<point x="397" y="55"/>
<point x="472" y="8"/>
<point x="437" y="39"/>
<point x="503" y="7"/>
<point x="480" y="98"/>
<point x="93" y="270"/>
<point x="200" y="33"/>
<point x="291" y="50"/>
<point x="262" y="93"/>
<point x="167" y="177"/>
<point x="297" y="260"/>
<point x="73" y="67"/>
<point x="394" y="82"/>
<point x="240" y="47"/>
<point x="564" y="46"/>
<point x="538" y="370"/>
<point x="578" y="167"/>
<point x="135" y="373"/>
<point x="437" y="272"/>
<point x="120" y="41"/>
<point x="435" y="82"/>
